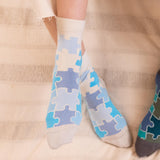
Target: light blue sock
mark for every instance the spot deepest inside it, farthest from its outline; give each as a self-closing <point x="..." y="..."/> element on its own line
<point x="64" y="111"/>
<point x="107" y="121"/>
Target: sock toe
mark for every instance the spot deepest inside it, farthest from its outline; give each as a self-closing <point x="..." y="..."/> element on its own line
<point x="60" y="135"/>
<point x="144" y="148"/>
<point x="122" y="139"/>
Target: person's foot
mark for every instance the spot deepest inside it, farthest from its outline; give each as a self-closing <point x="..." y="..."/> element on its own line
<point x="107" y="121"/>
<point x="64" y="111"/>
<point x="148" y="139"/>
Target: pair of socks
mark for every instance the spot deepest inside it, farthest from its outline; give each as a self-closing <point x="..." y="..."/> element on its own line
<point x="148" y="139"/>
<point x="74" y="76"/>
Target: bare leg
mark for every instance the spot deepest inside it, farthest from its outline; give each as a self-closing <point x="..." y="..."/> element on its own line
<point x="73" y="9"/>
<point x="50" y="24"/>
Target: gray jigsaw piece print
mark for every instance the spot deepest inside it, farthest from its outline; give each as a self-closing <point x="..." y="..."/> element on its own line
<point x="92" y="100"/>
<point x="104" y="94"/>
<point x="71" y="45"/>
<point x="64" y="98"/>
<point x="69" y="79"/>
<point x="109" y="127"/>
<point x="64" y="116"/>
<point x="101" y="114"/>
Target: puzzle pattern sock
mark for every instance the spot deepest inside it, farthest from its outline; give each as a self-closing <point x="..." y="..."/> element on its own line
<point x="148" y="139"/>
<point x="107" y="121"/>
<point x="64" y="111"/>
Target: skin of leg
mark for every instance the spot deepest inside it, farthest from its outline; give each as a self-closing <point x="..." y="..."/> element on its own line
<point x="50" y="23"/>
<point x="73" y="9"/>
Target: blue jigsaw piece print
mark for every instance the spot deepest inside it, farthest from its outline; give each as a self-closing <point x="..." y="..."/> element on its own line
<point x="69" y="79"/>
<point x="51" y="106"/>
<point x="50" y="120"/>
<point x="57" y="57"/>
<point x="103" y="94"/>
<point x="64" y="98"/>
<point x="146" y="122"/>
<point x="155" y="97"/>
<point x="100" y="133"/>
<point x="121" y="123"/>
<point x="77" y="119"/>
<point x="84" y="75"/>
<point x="114" y="112"/>
<point x="109" y="127"/>
<point x="64" y="116"/>
<point x="101" y="114"/>
<point x="55" y="79"/>
<point x="78" y="106"/>
<point x="141" y="133"/>
<point x="92" y="100"/>
<point x="155" y="130"/>
<point x="71" y="45"/>
<point x="96" y="79"/>
<point x="151" y="108"/>
<point x="94" y="123"/>
<point x="79" y="62"/>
